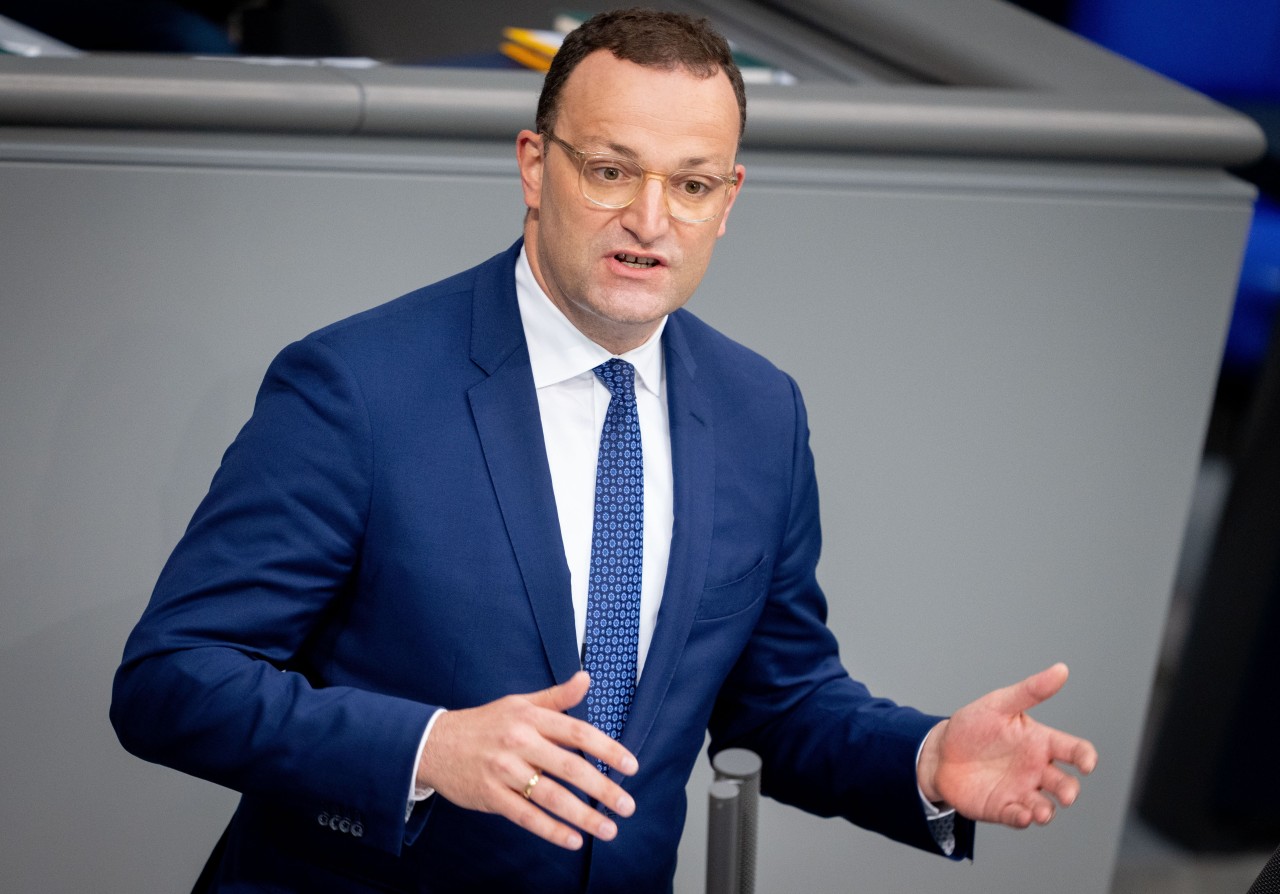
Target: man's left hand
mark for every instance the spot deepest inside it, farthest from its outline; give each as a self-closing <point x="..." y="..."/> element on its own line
<point x="993" y="763"/>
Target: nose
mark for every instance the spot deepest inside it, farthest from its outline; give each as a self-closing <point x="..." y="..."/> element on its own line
<point x="646" y="217"/>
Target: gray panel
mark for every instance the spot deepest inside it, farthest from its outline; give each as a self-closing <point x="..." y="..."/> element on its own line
<point x="138" y="308"/>
<point x="175" y="93"/>
<point x="1007" y="382"/>
<point x="1008" y="369"/>
<point x="1009" y="85"/>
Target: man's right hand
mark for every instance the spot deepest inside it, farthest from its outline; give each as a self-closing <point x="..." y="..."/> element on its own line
<point x="484" y="758"/>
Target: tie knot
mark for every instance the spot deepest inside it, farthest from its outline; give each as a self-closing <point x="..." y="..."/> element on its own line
<point x="618" y="376"/>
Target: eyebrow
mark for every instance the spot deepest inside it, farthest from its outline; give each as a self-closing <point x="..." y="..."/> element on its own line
<point x="688" y="164"/>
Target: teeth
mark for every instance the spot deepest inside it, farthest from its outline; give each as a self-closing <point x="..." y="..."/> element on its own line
<point x="633" y="261"/>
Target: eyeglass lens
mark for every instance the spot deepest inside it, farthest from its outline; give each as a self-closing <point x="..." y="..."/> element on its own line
<point x="692" y="196"/>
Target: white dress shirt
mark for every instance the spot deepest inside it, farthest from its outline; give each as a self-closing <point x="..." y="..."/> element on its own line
<point x="572" y="402"/>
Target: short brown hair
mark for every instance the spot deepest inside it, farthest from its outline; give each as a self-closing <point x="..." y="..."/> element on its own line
<point x="666" y="40"/>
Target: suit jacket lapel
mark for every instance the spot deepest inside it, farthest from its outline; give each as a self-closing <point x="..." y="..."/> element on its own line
<point x="505" y="409"/>
<point x="693" y="472"/>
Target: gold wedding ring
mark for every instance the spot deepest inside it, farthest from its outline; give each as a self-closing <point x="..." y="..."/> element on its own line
<point x="528" y="786"/>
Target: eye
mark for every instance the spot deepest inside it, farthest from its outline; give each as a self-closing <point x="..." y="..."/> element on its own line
<point x="694" y="186"/>
<point x="609" y="171"/>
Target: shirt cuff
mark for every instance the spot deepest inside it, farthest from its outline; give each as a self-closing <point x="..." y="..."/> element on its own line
<point x="421" y="792"/>
<point x="941" y="818"/>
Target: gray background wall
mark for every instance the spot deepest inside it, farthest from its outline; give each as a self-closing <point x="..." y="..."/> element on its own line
<point x="1004" y="298"/>
<point x="1008" y="367"/>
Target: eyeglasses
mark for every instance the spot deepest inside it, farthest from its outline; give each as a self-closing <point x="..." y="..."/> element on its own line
<point x="613" y="182"/>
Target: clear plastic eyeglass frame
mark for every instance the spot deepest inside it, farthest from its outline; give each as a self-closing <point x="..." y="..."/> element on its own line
<point x="613" y="182"/>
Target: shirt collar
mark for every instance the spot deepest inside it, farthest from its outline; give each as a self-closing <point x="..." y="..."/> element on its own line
<point x="558" y="351"/>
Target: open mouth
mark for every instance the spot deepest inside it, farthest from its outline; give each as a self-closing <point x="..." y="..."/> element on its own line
<point x="634" y="262"/>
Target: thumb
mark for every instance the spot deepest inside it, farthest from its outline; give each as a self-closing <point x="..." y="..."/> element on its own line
<point x="1026" y="694"/>
<point x="564" y="696"/>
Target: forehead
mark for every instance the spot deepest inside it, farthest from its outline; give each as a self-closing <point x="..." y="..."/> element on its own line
<point x="609" y="104"/>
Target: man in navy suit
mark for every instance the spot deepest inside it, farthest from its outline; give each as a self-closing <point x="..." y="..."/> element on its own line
<point x="375" y="625"/>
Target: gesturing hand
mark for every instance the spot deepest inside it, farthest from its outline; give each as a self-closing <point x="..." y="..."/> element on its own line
<point x="484" y="758"/>
<point x="992" y="762"/>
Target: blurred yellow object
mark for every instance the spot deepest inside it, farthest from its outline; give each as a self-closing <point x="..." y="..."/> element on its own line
<point x="527" y="58"/>
<point x="530" y="47"/>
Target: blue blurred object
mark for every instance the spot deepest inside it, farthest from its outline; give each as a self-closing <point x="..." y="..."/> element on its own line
<point x="1229" y="50"/>
<point x="142" y="26"/>
<point x="1258" y="296"/>
<point x="1225" y="48"/>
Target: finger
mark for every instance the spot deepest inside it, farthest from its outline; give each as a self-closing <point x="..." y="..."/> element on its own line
<point x="513" y="805"/>
<point x="577" y="734"/>
<point x="582" y="736"/>
<point x="1082" y="755"/>
<point x="582" y="774"/>
<point x="564" y="696"/>
<point x="560" y="802"/>
<point x="1068" y="749"/>
<point x="1063" y="786"/>
<point x="1042" y="811"/>
<point x="1021" y="814"/>
<point x="1016" y="815"/>
<point x="1026" y="694"/>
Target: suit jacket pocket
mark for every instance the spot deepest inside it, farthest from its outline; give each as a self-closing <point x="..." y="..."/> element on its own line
<point x="737" y="595"/>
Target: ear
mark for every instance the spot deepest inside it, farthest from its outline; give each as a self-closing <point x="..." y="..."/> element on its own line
<point x="741" y="174"/>
<point x="530" y="155"/>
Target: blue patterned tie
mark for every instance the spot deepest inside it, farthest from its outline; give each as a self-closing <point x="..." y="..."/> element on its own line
<point x="617" y="544"/>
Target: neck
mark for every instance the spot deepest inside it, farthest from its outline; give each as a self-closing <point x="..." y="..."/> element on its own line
<point x="615" y="336"/>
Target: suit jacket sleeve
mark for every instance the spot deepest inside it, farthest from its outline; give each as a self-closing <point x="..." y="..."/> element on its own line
<point x="216" y="679"/>
<point x="829" y="746"/>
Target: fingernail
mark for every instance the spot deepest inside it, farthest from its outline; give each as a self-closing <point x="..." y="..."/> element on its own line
<point x="608" y="831"/>
<point x="573" y="841"/>
<point x="629" y="765"/>
<point x="626" y="806"/>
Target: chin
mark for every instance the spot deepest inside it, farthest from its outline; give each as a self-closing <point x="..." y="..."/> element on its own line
<point x="636" y="309"/>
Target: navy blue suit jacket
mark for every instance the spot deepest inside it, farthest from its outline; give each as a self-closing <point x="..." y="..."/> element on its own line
<point x="381" y="539"/>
